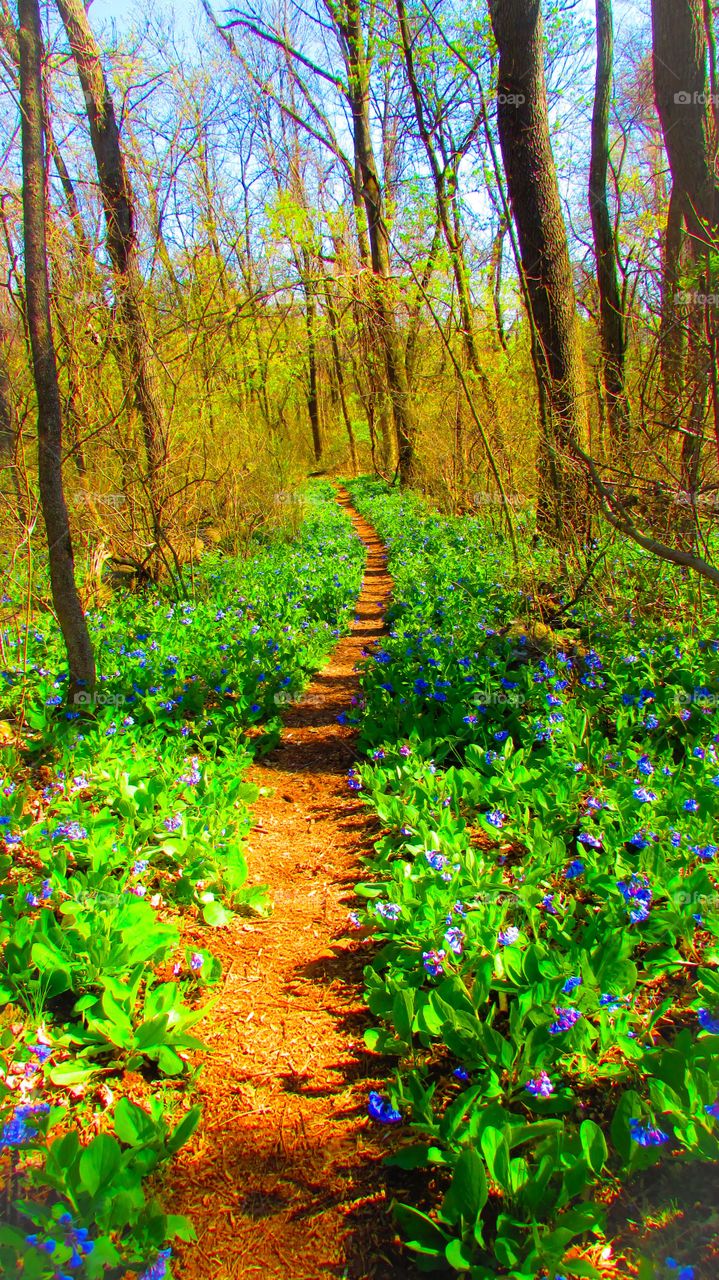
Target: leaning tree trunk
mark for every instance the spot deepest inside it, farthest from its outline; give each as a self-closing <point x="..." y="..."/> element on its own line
<point x="611" y="310"/>
<point x="544" y="252"/>
<point x="683" y="99"/>
<point x="65" y="597"/>
<point x="121" y="238"/>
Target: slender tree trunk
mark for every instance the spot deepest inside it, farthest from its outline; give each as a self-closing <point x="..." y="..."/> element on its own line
<point x="445" y="179"/>
<point x="495" y="278"/>
<point x="611" y="310"/>
<point x="339" y="374"/>
<point x="672" y="333"/>
<point x="313" y="401"/>
<point x="536" y="207"/>
<point x="9" y="431"/>
<point x="119" y="206"/>
<point x="349" y="22"/>
<point x="65" y="597"/>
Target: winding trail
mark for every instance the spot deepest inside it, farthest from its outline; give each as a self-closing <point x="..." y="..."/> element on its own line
<point x="284" y="1177"/>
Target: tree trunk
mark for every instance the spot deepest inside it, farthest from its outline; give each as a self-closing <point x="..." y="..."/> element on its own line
<point x="683" y="98"/>
<point x="682" y="95"/>
<point x="495" y="279"/>
<point x="534" y="197"/>
<point x="339" y="374"/>
<point x="611" y="310"/>
<point x="672" y="333"/>
<point x="9" y="432"/>
<point x="65" y="597"/>
<point x="445" y="179"/>
<point x="313" y="400"/>
<point x="121" y="239"/>
<point x="349" y="24"/>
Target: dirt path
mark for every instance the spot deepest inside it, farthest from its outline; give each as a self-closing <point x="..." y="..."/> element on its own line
<point x="284" y="1179"/>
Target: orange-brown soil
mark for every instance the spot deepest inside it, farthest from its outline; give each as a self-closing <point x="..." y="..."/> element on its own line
<point x="284" y="1178"/>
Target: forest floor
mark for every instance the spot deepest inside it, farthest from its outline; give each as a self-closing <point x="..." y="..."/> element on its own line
<point x="284" y="1178"/>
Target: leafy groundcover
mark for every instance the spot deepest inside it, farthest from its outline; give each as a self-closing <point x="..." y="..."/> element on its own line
<point x="544" y="890"/>
<point x="122" y="822"/>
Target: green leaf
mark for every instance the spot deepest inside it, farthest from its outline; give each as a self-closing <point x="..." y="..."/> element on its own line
<point x="594" y="1146"/>
<point x="216" y="915"/>
<point x="458" y="1255"/>
<point x="178" y="1227"/>
<point x="71" y="1073"/>
<point x="468" y="1192"/>
<point x="133" y="1125"/>
<point x="422" y="1234"/>
<point x="184" y="1130"/>
<point x="99" y="1163"/>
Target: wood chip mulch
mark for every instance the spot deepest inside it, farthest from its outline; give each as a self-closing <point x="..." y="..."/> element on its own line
<point x="284" y="1177"/>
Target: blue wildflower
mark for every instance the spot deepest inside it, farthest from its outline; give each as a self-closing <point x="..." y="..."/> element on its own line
<point x="571" y="985"/>
<point x="646" y="1135"/>
<point x="574" y="870"/>
<point x="381" y="1109"/>
<point x="708" y="1021"/>
<point x="496" y="818"/>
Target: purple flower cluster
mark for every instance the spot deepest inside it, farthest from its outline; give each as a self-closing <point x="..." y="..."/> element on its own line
<point x="574" y="870"/>
<point x="436" y="860"/>
<point x="388" y="910"/>
<point x="432" y="961"/>
<point x="638" y="897"/>
<point x="454" y="939"/>
<point x="566" y="1019"/>
<point x="193" y="775"/>
<point x="69" y="831"/>
<point x="541" y="1086"/>
<point x="158" y="1269"/>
